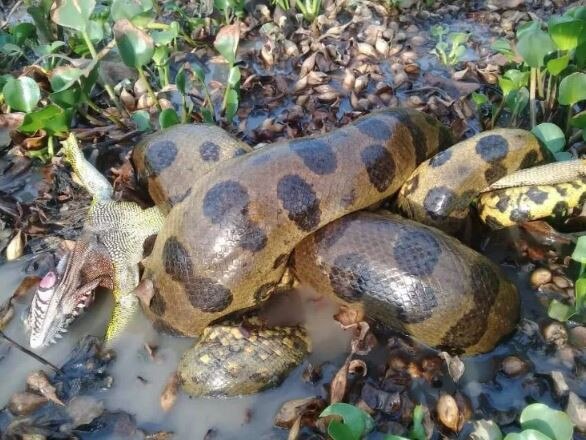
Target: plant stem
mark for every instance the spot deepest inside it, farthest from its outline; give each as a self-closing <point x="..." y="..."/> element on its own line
<point x="107" y="87"/>
<point x="532" y="102"/>
<point x="150" y="91"/>
<point x="50" y="147"/>
<point x="540" y="82"/>
<point x="569" y="121"/>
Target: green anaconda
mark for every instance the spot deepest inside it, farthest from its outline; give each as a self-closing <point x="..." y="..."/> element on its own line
<point x="236" y="216"/>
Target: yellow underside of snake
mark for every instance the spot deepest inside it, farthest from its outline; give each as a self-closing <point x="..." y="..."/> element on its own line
<point x="236" y="217"/>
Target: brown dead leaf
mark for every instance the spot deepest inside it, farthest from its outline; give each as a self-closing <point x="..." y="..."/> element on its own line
<point x="27" y="284"/>
<point x="15" y="247"/>
<point x="338" y="385"/>
<point x="291" y="410"/>
<point x="25" y="403"/>
<point x="169" y="394"/>
<point x="39" y="382"/>
<point x="447" y="412"/>
<point x="348" y="316"/>
<point x="455" y="366"/>
<point x="6" y="314"/>
<point x="294" y="431"/>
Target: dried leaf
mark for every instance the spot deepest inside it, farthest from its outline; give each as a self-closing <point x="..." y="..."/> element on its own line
<point x="25" y="403"/>
<point x="455" y="366"/>
<point x="15" y="247"/>
<point x="294" y="432"/>
<point x="338" y="385"/>
<point x="447" y="412"/>
<point x="169" y="394"/>
<point x="291" y="410"/>
<point x="39" y="382"/>
<point x="6" y="314"/>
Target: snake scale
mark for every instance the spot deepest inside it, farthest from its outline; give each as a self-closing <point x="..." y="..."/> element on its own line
<point x="236" y="218"/>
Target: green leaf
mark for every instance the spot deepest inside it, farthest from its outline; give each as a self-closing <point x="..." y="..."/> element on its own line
<point x="136" y="46"/>
<point x="131" y="10"/>
<point x="418" y="431"/>
<point x="168" y="118"/>
<point x="181" y="81"/>
<point x="70" y="97"/>
<point x="73" y="14"/>
<point x="579" y="253"/>
<point x="512" y="80"/>
<point x="22" y="93"/>
<point x="64" y="77"/>
<point x="580" y="294"/>
<point x="339" y="431"/>
<point x="161" y="56"/>
<point x="142" y="120"/>
<point x="527" y="434"/>
<point x="572" y="89"/>
<point x="502" y="46"/>
<point x="566" y="32"/>
<point x="231" y="104"/>
<point x="534" y="45"/>
<point x="558" y="65"/>
<point x="354" y="418"/>
<point x="579" y="120"/>
<point x="551" y="136"/>
<point x="234" y="77"/>
<point x="579" y="12"/>
<point x="527" y="27"/>
<point x="166" y="37"/>
<point x="549" y="422"/>
<point x="560" y="311"/>
<point x="437" y="31"/>
<point x="22" y="32"/>
<point x="226" y="42"/>
<point x="561" y="156"/>
<point x="479" y="99"/>
<point x="53" y="119"/>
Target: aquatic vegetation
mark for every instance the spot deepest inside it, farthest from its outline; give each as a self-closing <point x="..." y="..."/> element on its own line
<point x="577" y="310"/>
<point x="450" y="47"/>
<point x="547" y="79"/>
<point x="75" y="67"/>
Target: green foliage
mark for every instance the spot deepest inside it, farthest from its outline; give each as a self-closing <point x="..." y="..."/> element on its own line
<point x="417" y="431"/>
<point x="309" y="8"/>
<point x="356" y="422"/>
<point x="22" y="93"/>
<point x="450" y="49"/>
<point x="577" y="311"/>
<point x="540" y="422"/>
<point x="136" y="47"/>
<point x="546" y="80"/>
<point x="227" y="43"/>
<point x="544" y="422"/>
<point x="73" y="14"/>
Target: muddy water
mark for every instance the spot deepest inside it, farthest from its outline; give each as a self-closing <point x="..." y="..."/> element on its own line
<point x="139" y="380"/>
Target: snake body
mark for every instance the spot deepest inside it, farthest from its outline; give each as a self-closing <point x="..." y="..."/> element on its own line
<point x="515" y="199"/>
<point x="236" y="219"/>
<point x="439" y="193"/>
<point x="412" y="278"/>
<point x="225" y="247"/>
<point x="229" y="237"/>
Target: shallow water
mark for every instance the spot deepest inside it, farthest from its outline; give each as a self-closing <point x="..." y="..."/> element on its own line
<point x="138" y="380"/>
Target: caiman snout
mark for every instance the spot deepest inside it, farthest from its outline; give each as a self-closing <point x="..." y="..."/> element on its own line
<point x="65" y="293"/>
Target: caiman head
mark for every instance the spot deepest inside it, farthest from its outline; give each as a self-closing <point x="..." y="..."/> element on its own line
<point x="64" y="293"/>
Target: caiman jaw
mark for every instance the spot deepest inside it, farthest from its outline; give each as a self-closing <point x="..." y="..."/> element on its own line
<point x="64" y="294"/>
